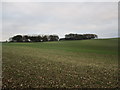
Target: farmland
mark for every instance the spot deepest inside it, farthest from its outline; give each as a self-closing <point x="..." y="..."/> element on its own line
<point x="62" y="64"/>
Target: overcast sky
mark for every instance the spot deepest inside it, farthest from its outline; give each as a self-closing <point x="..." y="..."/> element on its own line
<point x="60" y="18"/>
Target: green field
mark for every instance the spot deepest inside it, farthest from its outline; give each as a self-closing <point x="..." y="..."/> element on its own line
<point x="69" y="64"/>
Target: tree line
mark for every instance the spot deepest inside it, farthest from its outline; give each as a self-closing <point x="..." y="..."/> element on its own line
<point x="44" y="38"/>
<point x="37" y="38"/>
<point x="79" y="36"/>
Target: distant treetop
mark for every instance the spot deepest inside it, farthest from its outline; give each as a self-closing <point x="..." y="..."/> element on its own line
<point x="44" y="38"/>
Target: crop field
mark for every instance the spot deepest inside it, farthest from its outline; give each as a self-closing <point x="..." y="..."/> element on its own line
<point x="61" y="64"/>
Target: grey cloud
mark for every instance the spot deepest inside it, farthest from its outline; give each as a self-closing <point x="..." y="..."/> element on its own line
<point x="60" y="18"/>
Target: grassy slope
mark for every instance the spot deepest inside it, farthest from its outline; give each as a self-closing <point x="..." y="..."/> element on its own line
<point x="0" y="65"/>
<point x="83" y="63"/>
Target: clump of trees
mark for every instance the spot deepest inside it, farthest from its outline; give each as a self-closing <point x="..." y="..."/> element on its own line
<point x="44" y="38"/>
<point x="79" y="36"/>
<point x="37" y="38"/>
